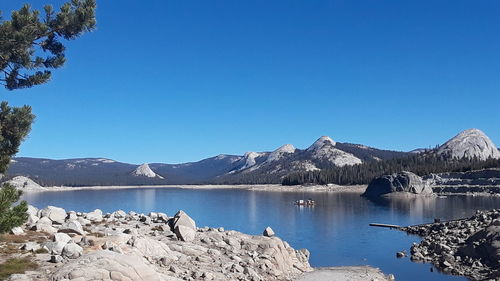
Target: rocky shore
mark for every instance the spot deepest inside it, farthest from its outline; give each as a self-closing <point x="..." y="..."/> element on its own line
<point x="154" y="247"/>
<point x="469" y="247"/>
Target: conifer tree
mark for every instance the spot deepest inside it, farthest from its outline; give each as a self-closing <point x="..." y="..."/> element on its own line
<point x="29" y="48"/>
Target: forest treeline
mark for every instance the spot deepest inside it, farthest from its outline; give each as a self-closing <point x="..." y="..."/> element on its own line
<point x="420" y="164"/>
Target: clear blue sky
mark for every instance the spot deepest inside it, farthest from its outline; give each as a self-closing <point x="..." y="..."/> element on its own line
<point x="175" y="81"/>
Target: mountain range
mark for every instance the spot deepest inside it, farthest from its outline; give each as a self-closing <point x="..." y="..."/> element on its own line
<point x="252" y="167"/>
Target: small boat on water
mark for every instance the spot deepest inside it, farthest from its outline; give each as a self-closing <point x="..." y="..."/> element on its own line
<point x="308" y="202"/>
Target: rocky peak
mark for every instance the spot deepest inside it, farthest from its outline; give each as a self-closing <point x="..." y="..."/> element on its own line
<point x="280" y="152"/>
<point x="324" y="149"/>
<point x="145" y="171"/>
<point x="470" y="143"/>
<point x="250" y="159"/>
<point x="321" y="142"/>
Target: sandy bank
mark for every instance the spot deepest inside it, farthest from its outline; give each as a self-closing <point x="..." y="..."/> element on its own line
<point x="344" y="273"/>
<point x="256" y="187"/>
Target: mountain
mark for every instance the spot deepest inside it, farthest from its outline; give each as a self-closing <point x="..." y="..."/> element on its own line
<point x="271" y="167"/>
<point x="324" y="149"/>
<point x="145" y="171"/>
<point x="469" y="144"/>
<point x="252" y="167"/>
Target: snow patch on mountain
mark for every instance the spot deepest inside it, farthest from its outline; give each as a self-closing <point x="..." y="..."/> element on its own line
<point x="324" y="148"/>
<point x="280" y="153"/>
<point x="468" y="144"/>
<point x="145" y="171"/>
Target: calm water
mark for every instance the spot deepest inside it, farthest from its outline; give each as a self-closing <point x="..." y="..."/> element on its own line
<point x="336" y="231"/>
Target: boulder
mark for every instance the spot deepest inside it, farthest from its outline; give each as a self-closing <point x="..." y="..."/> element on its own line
<point x="55" y="214"/>
<point x="30" y="246"/>
<point x="268" y="232"/>
<point x="83" y="221"/>
<point x="72" y="226"/>
<point x="32" y="219"/>
<point x="58" y="243"/>
<point x="17" y="231"/>
<point x="32" y="211"/>
<point x="72" y="216"/>
<point x="56" y="259"/>
<point x="44" y="224"/>
<point x="106" y="265"/>
<point x="484" y="245"/>
<point x="62" y="238"/>
<point x="119" y="214"/>
<point x="72" y="251"/>
<point x="185" y="233"/>
<point x="181" y="218"/>
<point x="399" y="182"/>
<point x="94" y="216"/>
<point x="162" y="217"/>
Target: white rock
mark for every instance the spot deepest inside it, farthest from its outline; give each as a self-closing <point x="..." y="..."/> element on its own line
<point x="55" y="214"/>
<point x="181" y="218"/>
<point x="94" y="216"/>
<point x="30" y="246"/>
<point x="71" y="216"/>
<point x="17" y="231"/>
<point x="72" y="251"/>
<point x="62" y="238"/>
<point x="83" y="221"/>
<point x="72" y="226"/>
<point x="268" y="232"/>
<point x="119" y="214"/>
<point x="101" y="265"/>
<point x="32" y="210"/>
<point x="185" y="233"/>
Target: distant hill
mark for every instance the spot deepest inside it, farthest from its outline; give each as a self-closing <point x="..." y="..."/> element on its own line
<point x="253" y="167"/>
<point x="324" y="156"/>
<point x="469" y="150"/>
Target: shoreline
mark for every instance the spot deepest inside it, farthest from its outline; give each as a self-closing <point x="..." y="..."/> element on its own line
<point x="156" y="247"/>
<point x="330" y="188"/>
<point x="251" y="187"/>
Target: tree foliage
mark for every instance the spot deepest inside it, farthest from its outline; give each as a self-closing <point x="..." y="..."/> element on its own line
<point x="11" y="216"/>
<point x="15" y="124"/>
<point x="30" y="47"/>
<point x="420" y="164"/>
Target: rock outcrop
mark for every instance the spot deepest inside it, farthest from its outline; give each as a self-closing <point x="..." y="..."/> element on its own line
<point x="406" y="182"/>
<point x="469" y="144"/>
<point x="479" y="181"/>
<point x="131" y="246"/>
<point x="324" y="149"/>
<point x="145" y="171"/>
<point x="25" y="183"/>
<point x="469" y="247"/>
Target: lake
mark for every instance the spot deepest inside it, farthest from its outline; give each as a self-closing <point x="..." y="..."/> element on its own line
<point x="335" y="231"/>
